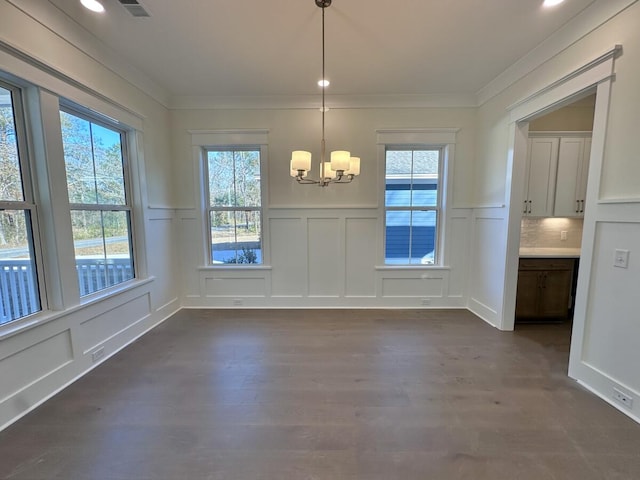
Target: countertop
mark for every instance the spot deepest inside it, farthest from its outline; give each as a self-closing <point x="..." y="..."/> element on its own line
<point x="549" y="252"/>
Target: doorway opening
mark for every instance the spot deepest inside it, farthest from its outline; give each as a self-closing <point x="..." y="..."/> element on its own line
<point x="551" y="224"/>
<point x="555" y="184"/>
<point x="594" y="76"/>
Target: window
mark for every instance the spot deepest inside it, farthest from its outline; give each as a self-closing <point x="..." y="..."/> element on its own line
<point x="412" y="203"/>
<point x="234" y="205"/>
<point x="95" y="163"/>
<point x="19" y="291"/>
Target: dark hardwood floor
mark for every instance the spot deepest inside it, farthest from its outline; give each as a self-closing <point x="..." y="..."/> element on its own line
<point x="335" y="394"/>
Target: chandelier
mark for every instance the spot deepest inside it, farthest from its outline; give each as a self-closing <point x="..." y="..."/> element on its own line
<point x="343" y="167"/>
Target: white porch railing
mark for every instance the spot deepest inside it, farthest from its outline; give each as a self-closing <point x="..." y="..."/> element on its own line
<point x="96" y="274"/>
<point x="19" y="288"/>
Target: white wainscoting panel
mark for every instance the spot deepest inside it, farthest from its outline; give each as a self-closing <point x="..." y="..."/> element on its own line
<point x="42" y="360"/>
<point x="325" y="257"/>
<point x="240" y="284"/>
<point x="23" y="368"/>
<point x="487" y="264"/>
<point x="459" y="243"/>
<point x="96" y="330"/>
<point x="289" y="253"/>
<point x="612" y="326"/>
<point x="604" y="343"/>
<point x="360" y="278"/>
<point x="190" y="255"/>
<point x="161" y="261"/>
<point x="412" y="287"/>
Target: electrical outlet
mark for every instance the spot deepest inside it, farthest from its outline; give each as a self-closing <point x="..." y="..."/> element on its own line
<point x="426" y="301"/>
<point x="621" y="258"/>
<point x="563" y="235"/>
<point x="237" y="302"/>
<point x="97" y="354"/>
<point x="623" y="398"/>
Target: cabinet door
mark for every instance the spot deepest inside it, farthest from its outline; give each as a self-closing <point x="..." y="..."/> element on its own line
<point x="581" y="194"/>
<point x="555" y="293"/>
<point x="527" y="294"/>
<point x="541" y="168"/>
<point x="569" y="182"/>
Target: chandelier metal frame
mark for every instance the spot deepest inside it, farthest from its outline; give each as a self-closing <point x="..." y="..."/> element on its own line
<point x="347" y="167"/>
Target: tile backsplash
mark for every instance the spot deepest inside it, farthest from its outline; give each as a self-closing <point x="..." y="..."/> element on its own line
<point x="546" y="232"/>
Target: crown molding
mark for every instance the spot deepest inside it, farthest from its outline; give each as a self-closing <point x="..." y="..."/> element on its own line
<point x="49" y="17"/>
<point x="592" y="17"/>
<point x="313" y="101"/>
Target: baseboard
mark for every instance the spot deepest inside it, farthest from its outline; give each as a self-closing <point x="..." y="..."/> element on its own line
<point x="483" y="311"/>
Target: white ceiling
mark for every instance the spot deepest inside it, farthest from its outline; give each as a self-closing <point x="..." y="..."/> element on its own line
<point x="270" y="48"/>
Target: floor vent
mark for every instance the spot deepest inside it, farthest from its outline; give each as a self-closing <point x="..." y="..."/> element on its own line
<point x="134" y="8"/>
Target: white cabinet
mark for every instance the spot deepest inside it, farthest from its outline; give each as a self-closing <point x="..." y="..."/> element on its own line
<point x="542" y="161"/>
<point x="556" y="174"/>
<point x="571" y="183"/>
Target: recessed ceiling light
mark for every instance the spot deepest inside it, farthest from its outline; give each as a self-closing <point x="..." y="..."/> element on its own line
<point x="552" y="3"/>
<point x="93" y="5"/>
<point x="323" y="83"/>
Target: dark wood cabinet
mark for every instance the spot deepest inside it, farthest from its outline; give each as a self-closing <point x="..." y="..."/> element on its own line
<point x="544" y="288"/>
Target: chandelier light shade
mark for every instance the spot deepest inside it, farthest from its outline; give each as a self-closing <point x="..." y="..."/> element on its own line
<point x="301" y="160"/>
<point x="342" y="167"/>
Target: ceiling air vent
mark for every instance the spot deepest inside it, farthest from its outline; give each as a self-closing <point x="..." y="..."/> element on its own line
<point x="134" y="8"/>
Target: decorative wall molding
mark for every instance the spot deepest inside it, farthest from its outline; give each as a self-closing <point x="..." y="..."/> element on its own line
<point x="59" y="352"/>
<point x="565" y="88"/>
<point x="333" y="102"/>
<point x="323" y="258"/>
<point x="577" y="28"/>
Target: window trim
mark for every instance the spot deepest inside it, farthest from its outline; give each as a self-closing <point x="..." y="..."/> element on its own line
<point x="203" y="140"/>
<point x="125" y="133"/>
<point x="410" y="208"/>
<point x="29" y="196"/>
<point x="419" y="138"/>
<point x="237" y="209"/>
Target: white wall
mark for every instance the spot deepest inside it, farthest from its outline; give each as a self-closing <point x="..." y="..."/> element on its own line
<point x="39" y="356"/>
<point x="605" y="326"/>
<point x="324" y="244"/>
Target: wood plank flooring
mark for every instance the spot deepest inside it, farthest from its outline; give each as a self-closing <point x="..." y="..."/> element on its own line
<point x="335" y="395"/>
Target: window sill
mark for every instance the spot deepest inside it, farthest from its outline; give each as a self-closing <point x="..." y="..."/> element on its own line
<point x="234" y="267"/>
<point x="40" y="318"/>
<point x="106" y="293"/>
<point x="412" y="267"/>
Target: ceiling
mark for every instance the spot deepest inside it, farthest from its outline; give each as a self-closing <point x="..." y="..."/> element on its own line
<point x="258" y="48"/>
